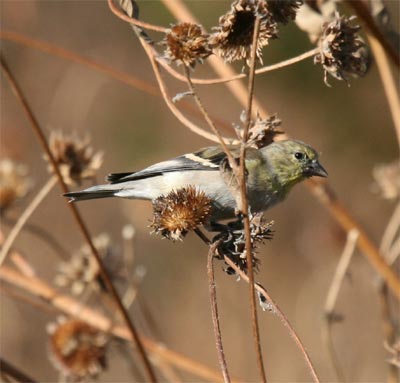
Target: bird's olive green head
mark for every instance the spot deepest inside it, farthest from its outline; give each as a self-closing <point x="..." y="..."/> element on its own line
<point x="293" y="161"/>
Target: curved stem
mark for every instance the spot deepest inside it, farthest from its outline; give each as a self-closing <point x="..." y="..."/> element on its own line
<point x="40" y="196"/>
<point x="114" y="9"/>
<point x="264" y="69"/>
<point x="279" y="313"/>
<point x="78" y="218"/>
<point x="214" y="312"/>
<point x="331" y="299"/>
<point x="388" y="82"/>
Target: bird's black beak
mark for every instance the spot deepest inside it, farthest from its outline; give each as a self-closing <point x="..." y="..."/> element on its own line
<point x="316" y="169"/>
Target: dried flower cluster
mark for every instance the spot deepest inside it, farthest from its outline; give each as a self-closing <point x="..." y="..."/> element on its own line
<point x="186" y="44"/>
<point x="283" y="11"/>
<point x="263" y="131"/>
<point x="77" y="349"/>
<point x="75" y="157"/>
<point x="387" y="178"/>
<point x="179" y="212"/>
<point x="82" y="270"/>
<point x="232" y="241"/>
<point x="14" y="183"/>
<point x="233" y="37"/>
<point x="342" y="51"/>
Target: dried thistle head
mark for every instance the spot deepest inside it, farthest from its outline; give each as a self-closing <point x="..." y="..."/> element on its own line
<point x="233" y="37"/>
<point x="179" y="212"/>
<point x="75" y="157"/>
<point x="342" y="51"/>
<point x="187" y="44"/>
<point x="14" y="183"/>
<point x="262" y="132"/>
<point x="283" y="11"/>
<point x="387" y="179"/>
<point x="232" y="241"/>
<point x="82" y="270"/>
<point x="77" y="349"/>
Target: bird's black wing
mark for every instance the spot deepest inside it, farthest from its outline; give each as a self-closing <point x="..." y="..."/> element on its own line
<point x="205" y="159"/>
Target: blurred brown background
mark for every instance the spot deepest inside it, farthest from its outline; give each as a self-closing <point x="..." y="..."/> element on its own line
<point x="350" y="126"/>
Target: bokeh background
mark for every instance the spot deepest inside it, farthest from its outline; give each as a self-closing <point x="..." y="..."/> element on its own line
<point x="350" y="126"/>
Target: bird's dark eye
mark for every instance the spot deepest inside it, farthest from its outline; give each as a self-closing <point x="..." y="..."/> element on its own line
<point x="299" y="155"/>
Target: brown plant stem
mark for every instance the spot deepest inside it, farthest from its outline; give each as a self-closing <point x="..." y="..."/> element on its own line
<point x="321" y="190"/>
<point x="10" y="370"/>
<point x="364" y="243"/>
<point x="362" y="11"/>
<point x="245" y="210"/>
<point x="333" y="293"/>
<point x="71" y="307"/>
<point x="42" y="234"/>
<point x="214" y="311"/>
<point x="23" y="219"/>
<point x="279" y="313"/>
<point x="131" y="20"/>
<point x="36" y="127"/>
<point x="388" y="82"/>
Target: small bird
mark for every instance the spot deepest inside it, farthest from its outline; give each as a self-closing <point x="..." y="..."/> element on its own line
<point x="271" y="172"/>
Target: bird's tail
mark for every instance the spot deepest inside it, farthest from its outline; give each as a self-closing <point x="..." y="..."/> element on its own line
<point x="101" y="191"/>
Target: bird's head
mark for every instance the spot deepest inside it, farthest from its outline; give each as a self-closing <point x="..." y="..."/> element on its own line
<point x="293" y="161"/>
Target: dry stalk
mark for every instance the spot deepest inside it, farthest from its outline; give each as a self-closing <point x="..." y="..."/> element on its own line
<point x="333" y="293"/>
<point x="10" y="370"/>
<point x="321" y="189"/>
<point x="81" y="224"/>
<point x="279" y="313"/>
<point x="214" y="310"/>
<point x="134" y="21"/>
<point x="388" y="82"/>
<point x="216" y="81"/>
<point x="245" y="203"/>
<point x="71" y="307"/>
<point x="23" y="219"/>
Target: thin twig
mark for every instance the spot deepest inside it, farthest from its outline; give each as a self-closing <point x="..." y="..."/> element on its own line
<point x="210" y="122"/>
<point x="279" y="313"/>
<point x="97" y="319"/>
<point x="224" y="80"/>
<point x="333" y="292"/>
<point x="388" y="82"/>
<point x="214" y="311"/>
<point x="36" y="127"/>
<point x="14" y="372"/>
<point x="390" y="232"/>
<point x="131" y="20"/>
<point x="245" y="204"/>
<point x="42" y="234"/>
<point x="29" y="210"/>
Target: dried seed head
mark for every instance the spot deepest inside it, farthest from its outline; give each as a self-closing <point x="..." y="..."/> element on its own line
<point x="82" y="269"/>
<point x="283" y="11"/>
<point x="14" y="183"/>
<point x="233" y="37"/>
<point x="233" y="241"/>
<point x="387" y="178"/>
<point x="186" y="44"/>
<point x="179" y="212"/>
<point x="77" y="349"/>
<point x="342" y="51"/>
<point x="74" y="157"/>
<point x="262" y="132"/>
